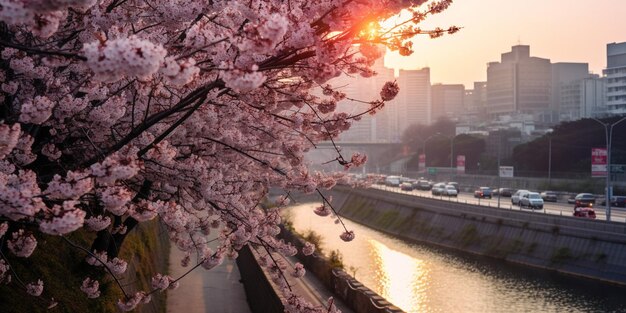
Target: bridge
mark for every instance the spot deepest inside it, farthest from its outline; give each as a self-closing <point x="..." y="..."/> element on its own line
<point x="379" y="154"/>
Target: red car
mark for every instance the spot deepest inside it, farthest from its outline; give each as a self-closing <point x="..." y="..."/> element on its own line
<point x="585" y="212"/>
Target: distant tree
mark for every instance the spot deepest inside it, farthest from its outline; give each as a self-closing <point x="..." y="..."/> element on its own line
<point x="415" y="135"/>
<point x="571" y="148"/>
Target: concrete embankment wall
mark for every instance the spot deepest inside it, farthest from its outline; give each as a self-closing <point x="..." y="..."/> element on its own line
<point x="355" y="295"/>
<point x="576" y="246"/>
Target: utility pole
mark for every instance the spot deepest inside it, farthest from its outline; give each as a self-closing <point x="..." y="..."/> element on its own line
<point x="550" y="163"/>
<point x="499" y="144"/>
<point x="608" y="133"/>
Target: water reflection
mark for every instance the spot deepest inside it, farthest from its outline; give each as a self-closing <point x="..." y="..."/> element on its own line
<point x="402" y="279"/>
<point x="422" y="279"/>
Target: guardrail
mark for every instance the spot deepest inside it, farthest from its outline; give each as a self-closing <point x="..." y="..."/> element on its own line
<point x="504" y="204"/>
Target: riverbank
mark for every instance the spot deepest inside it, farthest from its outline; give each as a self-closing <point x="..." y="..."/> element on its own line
<point x="583" y="248"/>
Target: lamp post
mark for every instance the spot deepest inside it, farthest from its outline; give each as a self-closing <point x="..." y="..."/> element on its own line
<point x="425" y="141"/>
<point x="608" y="133"/>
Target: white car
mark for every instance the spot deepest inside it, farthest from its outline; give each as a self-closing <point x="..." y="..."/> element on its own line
<point x="518" y="195"/>
<point x="531" y="200"/>
<point x="450" y="191"/>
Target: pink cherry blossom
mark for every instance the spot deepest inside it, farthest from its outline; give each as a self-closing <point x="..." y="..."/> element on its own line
<point x="298" y="270"/>
<point x="97" y="223"/>
<point x="389" y="91"/>
<point x="347" y="236"/>
<point x="36" y="111"/>
<point x="117" y="266"/>
<point x="22" y="244"/>
<point x="61" y="220"/>
<point x="131" y="303"/>
<point x="308" y="248"/>
<point x="113" y="60"/>
<point x="5" y="274"/>
<point x="35" y="289"/>
<point x="163" y="282"/>
<point x="91" y="288"/>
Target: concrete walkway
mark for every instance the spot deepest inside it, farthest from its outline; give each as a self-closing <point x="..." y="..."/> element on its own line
<point x="202" y="291"/>
<point x="220" y="291"/>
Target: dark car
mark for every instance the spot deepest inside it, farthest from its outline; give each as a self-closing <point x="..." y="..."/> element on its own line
<point x="423" y="185"/>
<point x="617" y="201"/>
<point x="482" y="192"/>
<point x="506" y="192"/>
<point x="584" y="200"/>
<point x="549" y="196"/>
<point x="584" y="212"/>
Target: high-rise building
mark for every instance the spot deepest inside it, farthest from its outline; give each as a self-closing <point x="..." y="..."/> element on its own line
<point x="447" y="100"/>
<point x="567" y="90"/>
<point x="615" y="74"/>
<point x="520" y="84"/>
<point x="370" y="128"/>
<point x="582" y="98"/>
<point x="414" y="99"/>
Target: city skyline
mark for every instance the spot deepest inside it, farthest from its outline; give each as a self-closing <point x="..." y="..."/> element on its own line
<point x="579" y="34"/>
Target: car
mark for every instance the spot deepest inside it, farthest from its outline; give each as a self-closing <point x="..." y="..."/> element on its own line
<point x="392" y="181"/>
<point x="406" y="186"/>
<point x="584" y="212"/>
<point x="482" y="192"/>
<point x="584" y="200"/>
<point x="517" y="195"/>
<point x="531" y="200"/>
<point x="619" y="201"/>
<point x="571" y="199"/>
<point x="616" y="201"/>
<point x="506" y="192"/>
<point x="438" y="189"/>
<point x="549" y="196"/>
<point x="423" y="185"/>
<point x="456" y="186"/>
<point x="450" y="191"/>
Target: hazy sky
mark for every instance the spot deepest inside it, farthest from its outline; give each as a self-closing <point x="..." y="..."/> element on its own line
<point x="560" y="30"/>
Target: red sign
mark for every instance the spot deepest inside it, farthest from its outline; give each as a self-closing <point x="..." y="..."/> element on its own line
<point x="599" y="162"/>
<point x="422" y="163"/>
<point x="460" y="164"/>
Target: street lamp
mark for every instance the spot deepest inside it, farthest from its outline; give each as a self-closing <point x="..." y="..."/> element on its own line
<point x="608" y="132"/>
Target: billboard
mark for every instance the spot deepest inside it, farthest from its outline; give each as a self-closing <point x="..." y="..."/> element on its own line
<point x="422" y="163"/>
<point x="506" y="171"/>
<point x="460" y="164"/>
<point x="599" y="158"/>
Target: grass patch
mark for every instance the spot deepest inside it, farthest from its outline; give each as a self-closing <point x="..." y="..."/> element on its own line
<point x="531" y="248"/>
<point x="469" y="235"/>
<point x="387" y="219"/>
<point x="62" y="269"/>
<point x="561" y="255"/>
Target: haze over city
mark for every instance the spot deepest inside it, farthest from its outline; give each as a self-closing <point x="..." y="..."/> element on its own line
<point x="561" y="30"/>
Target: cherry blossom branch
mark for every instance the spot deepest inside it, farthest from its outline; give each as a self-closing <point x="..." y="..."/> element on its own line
<point x="42" y="52"/>
<point x="100" y="261"/>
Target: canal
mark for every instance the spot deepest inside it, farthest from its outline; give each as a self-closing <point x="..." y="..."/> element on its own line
<point x="422" y="278"/>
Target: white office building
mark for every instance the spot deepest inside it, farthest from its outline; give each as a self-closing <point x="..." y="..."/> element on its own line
<point x="615" y="74"/>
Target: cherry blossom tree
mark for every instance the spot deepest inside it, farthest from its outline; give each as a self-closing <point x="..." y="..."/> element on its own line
<point x="117" y="112"/>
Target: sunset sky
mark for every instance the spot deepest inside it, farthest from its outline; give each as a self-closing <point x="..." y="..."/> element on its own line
<point x="560" y="30"/>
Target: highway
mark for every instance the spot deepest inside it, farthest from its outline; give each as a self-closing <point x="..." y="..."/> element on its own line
<point x="559" y="208"/>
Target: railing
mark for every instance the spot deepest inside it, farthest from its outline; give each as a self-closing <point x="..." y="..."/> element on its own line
<point x="504" y="203"/>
